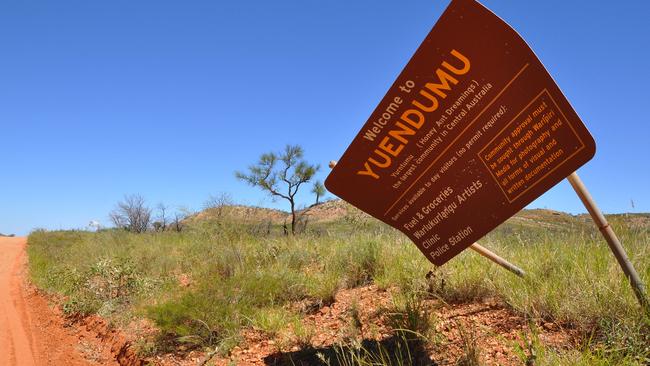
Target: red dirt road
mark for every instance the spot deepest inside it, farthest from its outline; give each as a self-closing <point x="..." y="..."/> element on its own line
<point x="15" y="340"/>
<point x="31" y="332"/>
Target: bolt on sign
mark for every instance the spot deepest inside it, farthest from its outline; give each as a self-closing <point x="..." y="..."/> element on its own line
<point x="473" y="129"/>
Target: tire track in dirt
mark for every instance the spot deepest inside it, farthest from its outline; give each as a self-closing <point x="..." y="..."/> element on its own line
<point x="15" y="341"/>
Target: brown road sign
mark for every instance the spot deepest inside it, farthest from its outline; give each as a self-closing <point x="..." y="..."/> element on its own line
<point x="473" y="129"/>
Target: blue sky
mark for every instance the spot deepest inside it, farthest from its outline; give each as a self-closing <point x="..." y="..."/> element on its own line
<point x="168" y="98"/>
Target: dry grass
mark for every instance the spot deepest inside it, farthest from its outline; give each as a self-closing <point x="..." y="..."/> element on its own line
<point x="243" y="276"/>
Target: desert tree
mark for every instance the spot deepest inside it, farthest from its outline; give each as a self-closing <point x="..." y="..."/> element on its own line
<point x="132" y="214"/>
<point x="218" y="203"/>
<point x="177" y="222"/>
<point x="318" y="189"/>
<point x="162" y="217"/>
<point x="281" y="175"/>
<point x="178" y="219"/>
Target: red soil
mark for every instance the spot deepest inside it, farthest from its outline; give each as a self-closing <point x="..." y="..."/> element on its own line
<point x="33" y="333"/>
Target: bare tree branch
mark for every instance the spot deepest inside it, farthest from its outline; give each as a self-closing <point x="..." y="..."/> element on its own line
<point x="131" y="214"/>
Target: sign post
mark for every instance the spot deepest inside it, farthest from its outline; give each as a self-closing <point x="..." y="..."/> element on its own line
<point x="612" y="240"/>
<point x="496" y="259"/>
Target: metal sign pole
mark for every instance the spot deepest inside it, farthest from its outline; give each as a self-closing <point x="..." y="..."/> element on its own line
<point x="481" y="250"/>
<point x="612" y="240"/>
<point x="496" y="259"/>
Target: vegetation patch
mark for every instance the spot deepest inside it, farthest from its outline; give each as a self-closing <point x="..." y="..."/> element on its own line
<point x="208" y="284"/>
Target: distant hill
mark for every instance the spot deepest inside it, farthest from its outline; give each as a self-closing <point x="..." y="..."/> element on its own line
<point x="336" y="210"/>
<point x="240" y="213"/>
